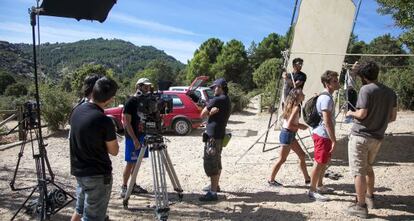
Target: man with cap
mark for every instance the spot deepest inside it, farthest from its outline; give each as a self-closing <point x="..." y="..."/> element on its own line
<point x="218" y="113"/>
<point x="134" y="138"/>
<point x="296" y="79"/>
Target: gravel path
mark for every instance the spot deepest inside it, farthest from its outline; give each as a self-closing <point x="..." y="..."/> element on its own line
<point x="246" y="195"/>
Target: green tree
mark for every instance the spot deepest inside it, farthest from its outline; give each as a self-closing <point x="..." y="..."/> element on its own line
<point x="157" y="70"/>
<point x="403" y="14"/>
<point x="79" y="75"/>
<point x="401" y="81"/>
<point x="212" y="47"/>
<point x="355" y="47"/>
<point x="199" y="65"/>
<point x="270" y="47"/>
<point x="267" y="72"/>
<point x="5" y="80"/>
<point x="16" y="89"/>
<point x="387" y="45"/>
<point x="204" y="57"/>
<point x="232" y="64"/>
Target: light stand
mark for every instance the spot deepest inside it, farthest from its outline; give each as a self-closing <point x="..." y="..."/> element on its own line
<point x="47" y="204"/>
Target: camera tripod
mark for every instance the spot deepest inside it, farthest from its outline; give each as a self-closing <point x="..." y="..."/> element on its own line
<point x="160" y="162"/>
<point x="48" y="203"/>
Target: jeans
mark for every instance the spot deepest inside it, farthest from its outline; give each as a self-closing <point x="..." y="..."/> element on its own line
<point x="93" y="193"/>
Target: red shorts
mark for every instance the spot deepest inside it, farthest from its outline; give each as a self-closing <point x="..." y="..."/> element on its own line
<point x="322" y="147"/>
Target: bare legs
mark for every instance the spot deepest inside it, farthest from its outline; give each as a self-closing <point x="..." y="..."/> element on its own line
<point x="215" y="181"/>
<point x="284" y="152"/>
<point x="129" y="168"/>
<point x="317" y="175"/>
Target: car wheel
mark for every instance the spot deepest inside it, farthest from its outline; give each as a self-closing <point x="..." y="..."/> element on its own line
<point x="181" y="126"/>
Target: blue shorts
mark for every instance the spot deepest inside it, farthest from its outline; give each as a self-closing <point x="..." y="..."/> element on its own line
<point x="92" y="196"/>
<point x="131" y="155"/>
<point x="286" y="136"/>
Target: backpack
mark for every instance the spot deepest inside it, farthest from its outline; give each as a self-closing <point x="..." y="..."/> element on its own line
<point x="310" y="112"/>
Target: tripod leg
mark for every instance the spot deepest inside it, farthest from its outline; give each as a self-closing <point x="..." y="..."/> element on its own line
<point x="134" y="176"/>
<point x="171" y="173"/>
<point x="24" y="203"/>
<point x="160" y="185"/>
<point x="20" y="155"/>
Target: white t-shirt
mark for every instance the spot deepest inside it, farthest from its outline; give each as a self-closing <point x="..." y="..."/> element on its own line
<point x="325" y="102"/>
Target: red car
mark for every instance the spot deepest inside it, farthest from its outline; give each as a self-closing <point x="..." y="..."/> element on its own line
<point x="185" y="115"/>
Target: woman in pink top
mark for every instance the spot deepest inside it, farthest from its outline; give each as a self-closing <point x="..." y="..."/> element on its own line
<point x="291" y="125"/>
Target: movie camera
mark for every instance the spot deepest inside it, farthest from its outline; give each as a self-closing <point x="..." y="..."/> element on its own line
<point x="151" y="106"/>
<point x="29" y="115"/>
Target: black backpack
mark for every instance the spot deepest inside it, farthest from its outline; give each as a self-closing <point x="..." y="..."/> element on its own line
<point x="310" y="112"/>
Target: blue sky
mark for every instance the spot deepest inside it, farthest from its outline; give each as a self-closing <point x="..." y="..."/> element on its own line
<point x="177" y="27"/>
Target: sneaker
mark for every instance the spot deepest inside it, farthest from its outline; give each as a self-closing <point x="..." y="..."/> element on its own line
<point x="209" y="197"/>
<point x="274" y="183"/>
<point x="317" y="196"/>
<point x="324" y="190"/>
<point x="138" y="189"/>
<point x="356" y="210"/>
<point x="123" y="191"/>
<point x="370" y="202"/>
<point x="208" y="188"/>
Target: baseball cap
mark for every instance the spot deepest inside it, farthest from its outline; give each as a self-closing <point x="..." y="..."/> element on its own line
<point x="143" y="81"/>
<point x="219" y="82"/>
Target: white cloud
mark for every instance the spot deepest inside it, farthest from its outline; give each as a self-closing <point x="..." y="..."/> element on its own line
<point x="148" y="24"/>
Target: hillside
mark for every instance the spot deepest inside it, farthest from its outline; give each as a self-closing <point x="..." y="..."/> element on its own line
<point x="13" y="60"/>
<point x="57" y="59"/>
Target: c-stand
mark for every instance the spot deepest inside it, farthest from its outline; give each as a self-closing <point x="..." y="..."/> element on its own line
<point x="160" y="161"/>
<point x="48" y="203"/>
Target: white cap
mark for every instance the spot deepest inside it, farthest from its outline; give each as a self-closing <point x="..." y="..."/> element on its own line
<point x="143" y="81"/>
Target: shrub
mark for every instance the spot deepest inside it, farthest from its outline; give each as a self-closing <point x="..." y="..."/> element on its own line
<point x="5" y="80"/>
<point x="56" y="106"/>
<point x="238" y="97"/>
<point x="401" y="81"/>
<point x="17" y="90"/>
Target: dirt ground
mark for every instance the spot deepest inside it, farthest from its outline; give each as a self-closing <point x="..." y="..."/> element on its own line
<point x="246" y="195"/>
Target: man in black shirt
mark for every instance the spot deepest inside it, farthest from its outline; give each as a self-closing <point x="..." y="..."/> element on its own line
<point x="92" y="137"/>
<point x="299" y="78"/>
<point x="218" y="113"/>
<point x="134" y="137"/>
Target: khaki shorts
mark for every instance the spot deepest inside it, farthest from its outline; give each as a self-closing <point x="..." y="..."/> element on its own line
<point x="361" y="154"/>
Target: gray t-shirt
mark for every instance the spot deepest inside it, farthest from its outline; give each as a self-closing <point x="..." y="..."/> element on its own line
<point x="325" y="102"/>
<point x="379" y="100"/>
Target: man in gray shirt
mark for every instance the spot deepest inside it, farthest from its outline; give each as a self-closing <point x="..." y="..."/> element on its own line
<point x="376" y="107"/>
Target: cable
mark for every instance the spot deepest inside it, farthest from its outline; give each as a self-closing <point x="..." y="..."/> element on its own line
<point x="349" y="54"/>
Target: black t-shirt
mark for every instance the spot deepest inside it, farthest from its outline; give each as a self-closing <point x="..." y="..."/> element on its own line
<point x="90" y="129"/>
<point x="131" y="108"/>
<point x="299" y="76"/>
<point x="216" y="124"/>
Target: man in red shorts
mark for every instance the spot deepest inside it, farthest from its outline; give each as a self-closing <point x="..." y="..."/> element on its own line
<point x="324" y="135"/>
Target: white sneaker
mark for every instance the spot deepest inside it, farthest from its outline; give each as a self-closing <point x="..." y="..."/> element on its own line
<point x="317" y="196"/>
<point x="324" y="190"/>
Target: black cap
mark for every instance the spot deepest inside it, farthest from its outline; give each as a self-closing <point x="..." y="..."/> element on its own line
<point x="219" y="82"/>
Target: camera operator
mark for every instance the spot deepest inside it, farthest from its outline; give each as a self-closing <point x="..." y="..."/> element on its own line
<point x="92" y="137"/>
<point x="134" y="136"/>
<point x="218" y="113"/>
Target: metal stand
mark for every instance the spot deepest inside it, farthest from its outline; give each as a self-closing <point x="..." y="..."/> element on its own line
<point x="48" y="203"/>
<point x="160" y="162"/>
